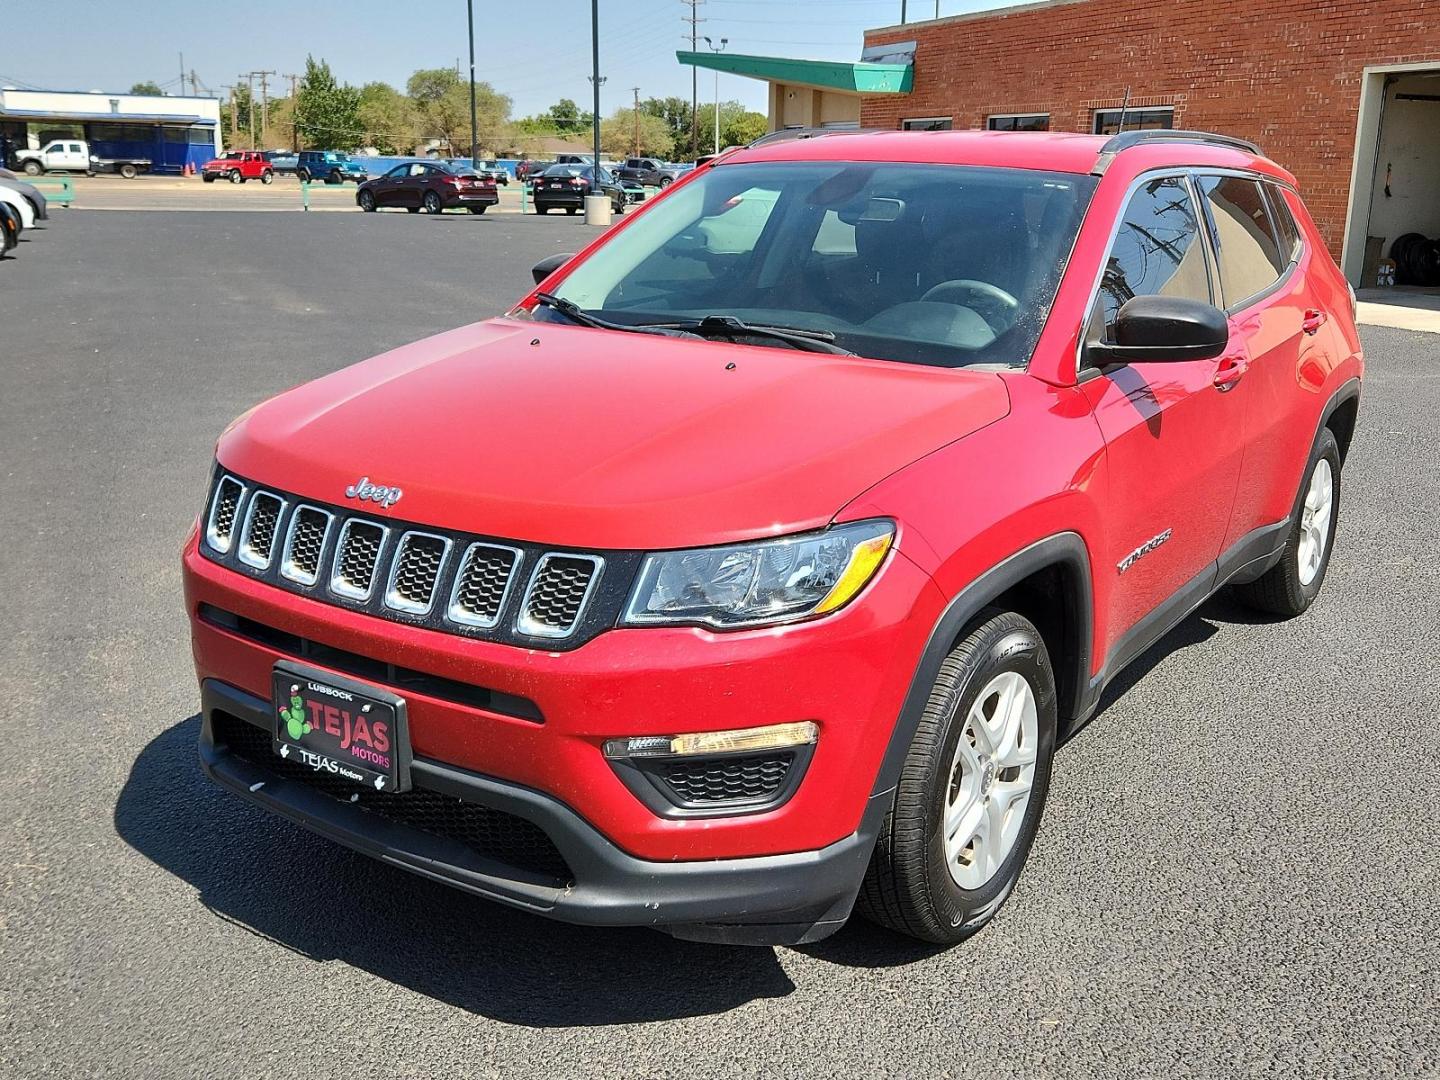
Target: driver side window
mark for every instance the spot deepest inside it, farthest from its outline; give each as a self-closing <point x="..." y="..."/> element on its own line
<point x="1157" y="250"/>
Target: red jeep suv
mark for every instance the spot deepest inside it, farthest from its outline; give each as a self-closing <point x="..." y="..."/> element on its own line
<point x="754" y="566"/>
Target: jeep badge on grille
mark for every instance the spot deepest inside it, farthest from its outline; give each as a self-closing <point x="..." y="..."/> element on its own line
<point x="363" y="489"/>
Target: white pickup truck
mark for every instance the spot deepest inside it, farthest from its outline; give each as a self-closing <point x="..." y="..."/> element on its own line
<point x="73" y="155"/>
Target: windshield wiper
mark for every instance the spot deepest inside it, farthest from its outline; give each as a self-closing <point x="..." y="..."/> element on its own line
<point x="573" y="312"/>
<point x="729" y="326"/>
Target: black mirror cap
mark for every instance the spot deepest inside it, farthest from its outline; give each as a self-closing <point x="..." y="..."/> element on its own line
<point x="1161" y="328"/>
<point x="547" y="266"/>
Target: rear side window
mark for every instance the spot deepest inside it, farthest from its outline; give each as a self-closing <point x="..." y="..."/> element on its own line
<point x="1285" y="222"/>
<point x="1157" y="250"/>
<point x="1246" y="238"/>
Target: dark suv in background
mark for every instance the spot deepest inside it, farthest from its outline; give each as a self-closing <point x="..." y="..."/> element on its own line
<point x="650" y="172"/>
<point x="332" y="166"/>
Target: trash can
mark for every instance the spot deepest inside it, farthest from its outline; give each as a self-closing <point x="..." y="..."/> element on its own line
<point x="597" y="210"/>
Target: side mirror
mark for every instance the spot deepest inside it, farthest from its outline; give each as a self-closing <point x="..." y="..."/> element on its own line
<point x="547" y="266"/>
<point x="1163" y="328"/>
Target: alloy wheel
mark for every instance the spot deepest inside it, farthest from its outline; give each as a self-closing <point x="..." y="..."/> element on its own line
<point x="1315" y="518"/>
<point x="991" y="777"/>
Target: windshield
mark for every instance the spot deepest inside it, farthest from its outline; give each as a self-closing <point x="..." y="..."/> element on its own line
<point x="933" y="264"/>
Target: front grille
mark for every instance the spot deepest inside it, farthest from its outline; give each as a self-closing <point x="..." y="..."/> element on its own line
<point x="305" y="545"/>
<point x="558" y="592"/>
<point x="360" y="544"/>
<point x="494" y="834"/>
<point x="748" y="779"/>
<point x="483" y="584"/>
<point x="417" y="569"/>
<point x="513" y="592"/>
<point x="222" y="513"/>
<point x="261" y="521"/>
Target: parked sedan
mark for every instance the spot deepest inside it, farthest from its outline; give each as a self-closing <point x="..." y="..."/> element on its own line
<point x="564" y="187"/>
<point x="10" y="227"/>
<point x="428" y="186"/>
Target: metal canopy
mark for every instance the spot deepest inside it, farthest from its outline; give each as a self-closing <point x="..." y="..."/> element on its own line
<point x="850" y="78"/>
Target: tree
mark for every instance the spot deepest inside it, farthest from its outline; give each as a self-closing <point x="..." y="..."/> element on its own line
<point x="569" y="118"/>
<point x="618" y="132"/>
<point x="235" y="117"/>
<point x="387" y="118"/>
<point x="147" y="87"/>
<point x="442" y="102"/>
<point x="326" y="113"/>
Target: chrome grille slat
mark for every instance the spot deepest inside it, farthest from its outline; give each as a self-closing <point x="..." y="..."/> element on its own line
<point x="257" y="536"/>
<point x="483" y="584"/>
<point x="357" y="557"/>
<point x="305" y="544"/>
<point x="415" y="572"/>
<point x="558" y="591"/>
<point x="220" y="526"/>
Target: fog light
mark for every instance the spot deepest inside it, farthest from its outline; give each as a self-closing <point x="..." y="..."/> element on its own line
<point x="738" y="740"/>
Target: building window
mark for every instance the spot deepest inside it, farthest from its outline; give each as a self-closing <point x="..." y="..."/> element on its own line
<point x="927" y="123"/>
<point x="1107" y="121"/>
<point x="1018" y="122"/>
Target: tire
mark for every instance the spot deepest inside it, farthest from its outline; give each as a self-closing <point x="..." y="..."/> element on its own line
<point x="413" y="209"/>
<point x="666" y="181"/>
<point x="366" y="201"/>
<point x="304" y="175"/>
<point x="33" y="168"/>
<point x="432" y="203"/>
<point x="478" y="209"/>
<point x="542" y="209"/>
<point x="913" y="886"/>
<point x="207" y="178"/>
<point x="267" y="177"/>
<point x="234" y="176"/>
<point x="1290" y="586"/>
<point x="571" y="210"/>
<point x="129" y="172"/>
<point x="335" y="177"/>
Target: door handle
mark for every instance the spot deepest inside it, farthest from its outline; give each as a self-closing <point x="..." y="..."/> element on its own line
<point x="1312" y="321"/>
<point x="1230" y="371"/>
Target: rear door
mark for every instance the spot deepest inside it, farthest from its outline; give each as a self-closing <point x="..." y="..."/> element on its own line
<point x="1269" y="305"/>
<point x="1174" y="439"/>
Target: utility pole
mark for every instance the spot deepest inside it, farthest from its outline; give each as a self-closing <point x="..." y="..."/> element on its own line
<point x="717" y="50"/>
<point x="694" y="20"/>
<point x="250" y="100"/>
<point x="182" y="74"/>
<point x="264" y="101"/>
<point x="595" y="76"/>
<point x="470" y="14"/>
<point x="294" y="135"/>
<point x="902" y="12"/>
<point x="636" y="91"/>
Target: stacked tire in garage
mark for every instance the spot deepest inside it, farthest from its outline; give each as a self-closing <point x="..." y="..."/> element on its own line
<point x="1417" y="260"/>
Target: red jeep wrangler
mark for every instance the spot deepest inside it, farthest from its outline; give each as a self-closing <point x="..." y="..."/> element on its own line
<point x="238" y="166"/>
<point x="755" y="565"/>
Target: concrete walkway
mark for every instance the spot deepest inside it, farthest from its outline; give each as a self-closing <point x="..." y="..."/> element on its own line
<point x="1401" y="307"/>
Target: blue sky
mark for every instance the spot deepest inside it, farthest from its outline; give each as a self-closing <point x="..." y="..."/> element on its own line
<point x="535" y="51"/>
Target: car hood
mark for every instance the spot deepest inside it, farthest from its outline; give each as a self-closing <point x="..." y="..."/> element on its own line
<point x="591" y="438"/>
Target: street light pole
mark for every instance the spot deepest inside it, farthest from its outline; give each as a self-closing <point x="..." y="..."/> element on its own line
<point x="595" y="76"/>
<point x="470" y="12"/>
<point x="717" y="50"/>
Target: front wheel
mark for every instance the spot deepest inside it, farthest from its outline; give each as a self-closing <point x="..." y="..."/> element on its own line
<point x="666" y="181"/>
<point x="33" y="168"/>
<point x="432" y="203"/>
<point x="207" y="178"/>
<point x="1290" y="586"/>
<point x="367" y="202"/>
<point x="542" y="209"/>
<point x="972" y="788"/>
<point x="267" y="177"/>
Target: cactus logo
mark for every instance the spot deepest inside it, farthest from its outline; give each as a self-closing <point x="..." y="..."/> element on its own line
<point x="295" y="723"/>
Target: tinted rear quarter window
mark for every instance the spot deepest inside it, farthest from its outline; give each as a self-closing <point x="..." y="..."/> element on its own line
<point x="1246" y="238"/>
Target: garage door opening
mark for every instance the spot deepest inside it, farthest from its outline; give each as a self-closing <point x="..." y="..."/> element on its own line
<point x="1394" y="210"/>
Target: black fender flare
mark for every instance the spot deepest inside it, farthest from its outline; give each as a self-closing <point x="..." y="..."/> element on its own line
<point x="1065" y="549"/>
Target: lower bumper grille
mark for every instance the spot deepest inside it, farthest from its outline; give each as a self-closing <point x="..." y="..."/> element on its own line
<point x="492" y="833"/>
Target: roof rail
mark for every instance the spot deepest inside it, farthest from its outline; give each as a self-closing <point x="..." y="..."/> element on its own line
<point x="1124" y="140"/>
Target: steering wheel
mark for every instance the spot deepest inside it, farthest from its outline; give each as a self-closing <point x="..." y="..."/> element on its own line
<point x="996" y="307"/>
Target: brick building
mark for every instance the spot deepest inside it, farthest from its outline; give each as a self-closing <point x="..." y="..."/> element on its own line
<point x="1341" y="92"/>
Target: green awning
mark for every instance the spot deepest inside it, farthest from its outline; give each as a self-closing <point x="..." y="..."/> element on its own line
<point x="857" y="78"/>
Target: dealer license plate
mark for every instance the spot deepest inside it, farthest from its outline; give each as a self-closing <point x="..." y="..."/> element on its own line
<point x="341" y="727"/>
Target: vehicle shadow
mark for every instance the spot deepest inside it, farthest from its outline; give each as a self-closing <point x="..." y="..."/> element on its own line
<point x="319" y="900"/>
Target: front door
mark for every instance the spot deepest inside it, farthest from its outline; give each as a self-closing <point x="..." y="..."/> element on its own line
<point x="1173" y="434"/>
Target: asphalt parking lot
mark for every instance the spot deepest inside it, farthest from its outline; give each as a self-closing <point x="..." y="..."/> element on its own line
<point x="1239" y="873"/>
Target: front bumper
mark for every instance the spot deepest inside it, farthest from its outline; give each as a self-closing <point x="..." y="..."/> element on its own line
<point x="768" y="900"/>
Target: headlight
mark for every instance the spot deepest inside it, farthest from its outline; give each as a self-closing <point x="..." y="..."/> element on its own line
<point x="769" y="581"/>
